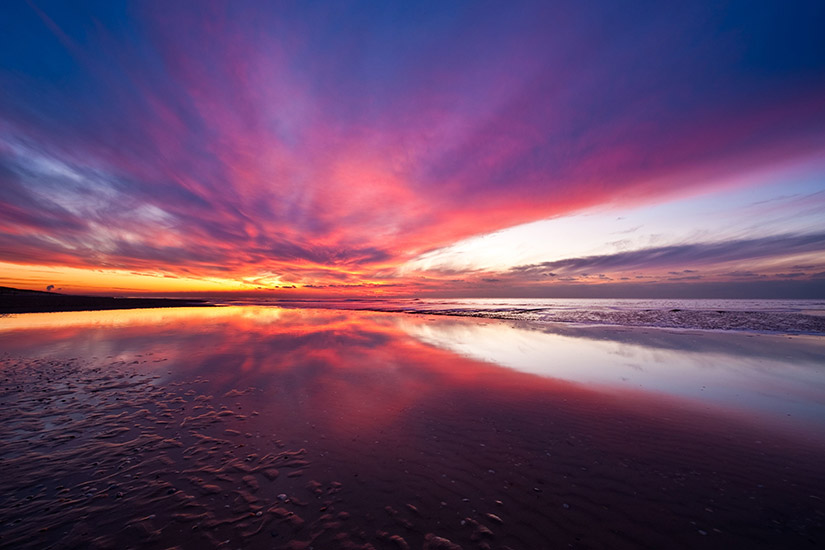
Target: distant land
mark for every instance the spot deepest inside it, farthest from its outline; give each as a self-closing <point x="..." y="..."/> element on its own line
<point x="13" y="300"/>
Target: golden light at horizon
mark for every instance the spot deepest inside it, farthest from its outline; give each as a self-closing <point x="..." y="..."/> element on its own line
<point x="72" y="279"/>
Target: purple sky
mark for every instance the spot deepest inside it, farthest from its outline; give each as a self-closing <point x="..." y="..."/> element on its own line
<point x="467" y="148"/>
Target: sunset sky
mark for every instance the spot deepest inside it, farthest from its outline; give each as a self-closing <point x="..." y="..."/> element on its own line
<point x="413" y="149"/>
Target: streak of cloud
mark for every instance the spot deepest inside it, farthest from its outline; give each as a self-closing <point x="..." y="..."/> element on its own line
<point x="695" y="254"/>
<point x="328" y="144"/>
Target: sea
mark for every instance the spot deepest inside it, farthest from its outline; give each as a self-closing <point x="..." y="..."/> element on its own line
<point x="786" y="316"/>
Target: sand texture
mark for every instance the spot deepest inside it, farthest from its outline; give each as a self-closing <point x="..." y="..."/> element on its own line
<point x="334" y="431"/>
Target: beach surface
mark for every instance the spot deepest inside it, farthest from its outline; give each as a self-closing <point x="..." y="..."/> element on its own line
<point x="262" y="427"/>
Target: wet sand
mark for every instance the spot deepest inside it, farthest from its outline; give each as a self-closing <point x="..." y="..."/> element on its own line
<point x="330" y="430"/>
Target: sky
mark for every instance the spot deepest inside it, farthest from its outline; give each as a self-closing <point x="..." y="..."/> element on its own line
<point x="491" y="149"/>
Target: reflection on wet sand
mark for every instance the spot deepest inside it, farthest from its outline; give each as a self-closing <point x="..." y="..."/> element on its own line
<point x="260" y="427"/>
<point x="768" y="377"/>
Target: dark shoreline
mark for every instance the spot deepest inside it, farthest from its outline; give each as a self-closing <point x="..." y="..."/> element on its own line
<point x="30" y="301"/>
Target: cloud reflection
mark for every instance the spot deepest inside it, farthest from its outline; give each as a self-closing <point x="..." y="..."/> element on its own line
<point x="371" y="367"/>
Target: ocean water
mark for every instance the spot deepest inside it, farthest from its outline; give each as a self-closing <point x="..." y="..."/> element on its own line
<point x="786" y="316"/>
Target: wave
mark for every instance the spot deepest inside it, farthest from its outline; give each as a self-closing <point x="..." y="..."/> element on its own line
<point x="759" y="321"/>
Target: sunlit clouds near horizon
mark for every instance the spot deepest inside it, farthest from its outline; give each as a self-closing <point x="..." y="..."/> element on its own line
<point x="426" y="149"/>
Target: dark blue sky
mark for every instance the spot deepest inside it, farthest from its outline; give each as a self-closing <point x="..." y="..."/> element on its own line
<point x="262" y="144"/>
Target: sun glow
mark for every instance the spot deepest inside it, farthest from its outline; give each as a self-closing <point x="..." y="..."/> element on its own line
<point x="73" y="280"/>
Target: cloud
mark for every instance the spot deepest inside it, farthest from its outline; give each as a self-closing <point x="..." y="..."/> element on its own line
<point x="235" y="140"/>
<point x="695" y="254"/>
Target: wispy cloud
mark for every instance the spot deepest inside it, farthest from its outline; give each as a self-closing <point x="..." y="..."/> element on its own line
<point x="239" y="140"/>
<point x="693" y="254"/>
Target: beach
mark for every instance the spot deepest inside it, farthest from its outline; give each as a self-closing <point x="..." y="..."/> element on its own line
<point x="264" y="427"/>
<point x="412" y="276"/>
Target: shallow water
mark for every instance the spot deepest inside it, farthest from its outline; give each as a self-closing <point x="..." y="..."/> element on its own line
<point x="782" y="316"/>
<point x="260" y="427"/>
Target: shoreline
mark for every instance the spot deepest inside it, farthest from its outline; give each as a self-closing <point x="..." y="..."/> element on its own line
<point x="795" y="323"/>
<point x="782" y="324"/>
<point x="792" y="323"/>
<point x="44" y="302"/>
